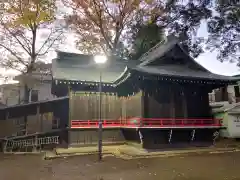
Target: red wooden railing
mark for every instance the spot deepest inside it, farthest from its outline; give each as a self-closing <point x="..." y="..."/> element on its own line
<point x="148" y="122"/>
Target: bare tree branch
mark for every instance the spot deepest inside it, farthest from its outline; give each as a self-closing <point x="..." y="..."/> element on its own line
<point x="28" y="50"/>
<point x="14" y="54"/>
<point x="50" y="46"/>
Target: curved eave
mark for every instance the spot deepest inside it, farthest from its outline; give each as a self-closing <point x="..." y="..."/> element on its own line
<point x="123" y="77"/>
<point x="74" y="82"/>
<point x="208" y="78"/>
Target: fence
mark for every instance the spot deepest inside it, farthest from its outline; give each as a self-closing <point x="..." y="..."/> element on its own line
<point x="148" y="123"/>
<point x="33" y="142"/>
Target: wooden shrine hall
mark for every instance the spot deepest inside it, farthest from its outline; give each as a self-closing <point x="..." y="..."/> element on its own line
<point x="160" y="100"/>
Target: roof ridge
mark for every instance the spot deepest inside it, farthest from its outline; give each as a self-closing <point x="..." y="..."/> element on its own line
<point x="151" y="49"/>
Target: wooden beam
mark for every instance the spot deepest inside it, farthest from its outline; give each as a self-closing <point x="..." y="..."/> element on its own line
<point x="172" y="103"/>
<point x="6" y="141"/>
<point x="184" y="105"/>
<point x="39" y="119"/>
<point x="70" y="105"/>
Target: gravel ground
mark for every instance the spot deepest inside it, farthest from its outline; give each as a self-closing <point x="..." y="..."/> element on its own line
<point x="200" y="167"/>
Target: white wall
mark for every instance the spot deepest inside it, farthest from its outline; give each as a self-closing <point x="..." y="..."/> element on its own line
<point x="231" y="93"/>
<point x="10" y="94"/>
<point x="44" y="91"/>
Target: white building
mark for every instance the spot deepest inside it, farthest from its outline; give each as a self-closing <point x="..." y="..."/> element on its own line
<point x="39" y="82"/>
<point x="231" y="94"/>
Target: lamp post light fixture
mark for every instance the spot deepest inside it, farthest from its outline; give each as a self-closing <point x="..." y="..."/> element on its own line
<point x="99" y="59"/>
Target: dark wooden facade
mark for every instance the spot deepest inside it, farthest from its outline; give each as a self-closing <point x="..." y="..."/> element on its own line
<point x="173" y="100"/>
<point x="85" y="106"/>
<point x="165" y="83"/>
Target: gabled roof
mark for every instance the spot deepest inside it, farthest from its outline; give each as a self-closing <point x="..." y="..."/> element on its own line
<point x="158" y="52"/>
<point x="161" y="60"/>
<point x="41" y="73"/>
<point x="79" y="67"/>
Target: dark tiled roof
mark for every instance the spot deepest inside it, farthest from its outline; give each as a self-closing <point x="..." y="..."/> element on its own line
<point x="181" y="71"/>
<point x="157" y="54"/>
<point x="78" y="67"/>
<point x="162" y="48"/>
<point x="158" y="51"/>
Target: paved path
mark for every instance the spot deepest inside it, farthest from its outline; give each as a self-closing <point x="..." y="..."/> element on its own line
<point x="196" y="167"/>
<point x="130" y="152"/>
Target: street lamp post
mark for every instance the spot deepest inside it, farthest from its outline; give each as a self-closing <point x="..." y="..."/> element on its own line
<point x="100" y="60"/>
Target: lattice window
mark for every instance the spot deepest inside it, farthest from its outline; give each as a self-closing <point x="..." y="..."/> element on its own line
<point x="21" y="126"/>
<point x="55" y="123"/>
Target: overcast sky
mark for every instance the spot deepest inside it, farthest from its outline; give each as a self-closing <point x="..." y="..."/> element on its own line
<point x="209" y="60"/>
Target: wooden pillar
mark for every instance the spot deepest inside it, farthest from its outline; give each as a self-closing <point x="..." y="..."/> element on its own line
<point x="70" y="106"/>
<point x="41" y="129"/>
<point x="142" y="105"/>
<point x="172" y="103"/>
<point x="6" y="141"/>
<point x="68" y="139"/>
<point x="145" y="102"/>
<point x="25" y="124"/>
<point x="39" y="120"/>
<point x="184" y="103"/>
<point x="123" y="104"/>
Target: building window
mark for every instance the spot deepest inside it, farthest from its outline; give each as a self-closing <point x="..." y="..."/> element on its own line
<point x="236" y="91"/>
<point x="21" y="127"/>
<point x="34" y="96"/>
<point x="55" y="123"/>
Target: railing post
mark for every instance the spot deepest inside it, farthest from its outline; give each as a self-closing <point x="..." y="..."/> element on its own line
<point x="140" y="136"/>
<point x="193" y="135"/>
<point x="170" y="136"/>
<point x="35" y="143"/>
<point x="141" y="122"/>
<point x="150" y="123"/>
<point x="5" y="146"/>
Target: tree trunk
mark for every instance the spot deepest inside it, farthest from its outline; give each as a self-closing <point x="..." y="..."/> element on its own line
<point x="26" y="100"/>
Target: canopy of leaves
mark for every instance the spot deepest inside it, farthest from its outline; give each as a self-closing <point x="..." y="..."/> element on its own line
<point x="21" y="23"/>
<point x="144" y="37"/>
<point x="101" y="24"/>
<point x="29" y="13"/>
<point x="224" y="30"/>
<point x="183" y="19"/>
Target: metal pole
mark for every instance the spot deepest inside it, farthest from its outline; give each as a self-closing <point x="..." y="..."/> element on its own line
<point x="100" y="120"/>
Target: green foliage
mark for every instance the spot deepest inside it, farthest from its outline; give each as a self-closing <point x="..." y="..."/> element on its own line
<point x="30" y="13"/>
<point x="224" y="30"/>
<point x="144" y="37"/>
